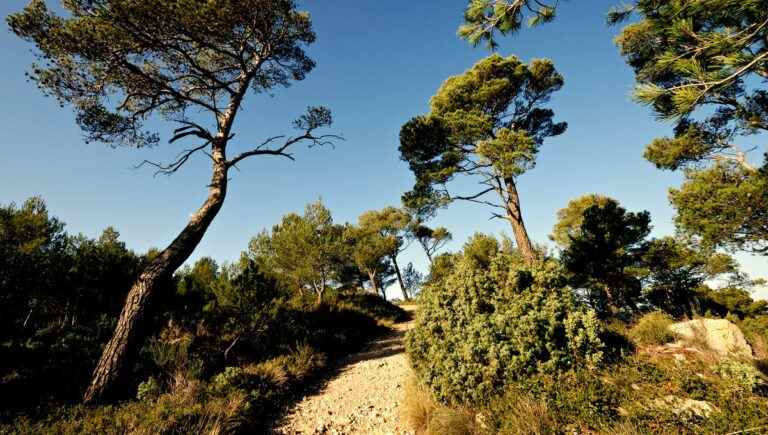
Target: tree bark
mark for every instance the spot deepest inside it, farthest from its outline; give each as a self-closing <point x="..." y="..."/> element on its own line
<point x="121" y="347"/>
<point x="515" y="217"/>
<point x="400" y="277"/>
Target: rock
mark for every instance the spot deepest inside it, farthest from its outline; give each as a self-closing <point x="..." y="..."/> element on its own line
<point x="685" y="407"/>
<point x="720" y="335"/>
<point x="481" y="419"/>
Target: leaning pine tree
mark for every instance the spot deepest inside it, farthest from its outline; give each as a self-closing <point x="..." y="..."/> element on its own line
<point x="488" y="124"/>
<point x="188" y="62"/>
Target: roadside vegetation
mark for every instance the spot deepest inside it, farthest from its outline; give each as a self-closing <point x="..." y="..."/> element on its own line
<point x="592" y="338"/>
<point x="233" y="346"/>
<point x="614" y="331"/>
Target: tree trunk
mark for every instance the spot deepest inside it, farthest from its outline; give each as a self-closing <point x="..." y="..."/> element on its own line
<point x="374" y="282"/>
<point x="426" y="251"/>
<point x="399" y="277"/>
<point x="515" y="217"/>
<point x="122" y="346"/>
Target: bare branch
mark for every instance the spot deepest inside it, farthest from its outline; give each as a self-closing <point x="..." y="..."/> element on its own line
<point x="168" y="169"/>
<point x="475" y="196"/>
<point x="327" y="139"/>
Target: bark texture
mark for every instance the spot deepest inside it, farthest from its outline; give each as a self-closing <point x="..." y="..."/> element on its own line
<point x="118" y="352"/>
<point x="515" y="217"/>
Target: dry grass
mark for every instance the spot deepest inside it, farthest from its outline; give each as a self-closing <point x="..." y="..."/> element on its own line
<point x="759" y="347"/>
<point x="623" y="428"/>
<point x="528" y="416"/>
<point x="418" y="406"/>
<point x="652" y="329"/>
<point x="426" y="417"/>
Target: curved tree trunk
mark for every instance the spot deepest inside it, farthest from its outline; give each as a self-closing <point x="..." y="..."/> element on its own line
<point x="515" y="218"/>
<point x="400" y="278"/>
<point x="118" y="351"/>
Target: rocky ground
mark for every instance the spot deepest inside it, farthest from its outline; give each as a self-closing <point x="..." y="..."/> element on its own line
<point x="363" y="398"/>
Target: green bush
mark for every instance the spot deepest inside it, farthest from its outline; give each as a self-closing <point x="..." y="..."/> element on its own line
<point x="756" y="331"/>
<point x="554" y="403"/>
<point x="492" y="321"/>
<point x="652" y="329"/>
<point x="148" y="389"/>
<point x="739" y="374"/>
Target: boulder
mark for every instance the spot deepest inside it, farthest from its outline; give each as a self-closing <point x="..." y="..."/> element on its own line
<point x="719" y="335"/>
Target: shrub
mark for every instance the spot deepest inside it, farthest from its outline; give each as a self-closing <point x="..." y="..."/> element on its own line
<point x="569" y="402"/>
<point x="371" y="305"/>
<point x="492" y="321"/>
<point x="756" y="331"/>
<point x="652" y="329"/>
<point x="227" y="380"/>
<point x="148" y="389"/>
<point x="740" y="375"/>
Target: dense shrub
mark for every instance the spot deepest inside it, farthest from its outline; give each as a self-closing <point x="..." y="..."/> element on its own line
<point x="492" y="321"/>
<point x="227" y="345"/>
<point x="568" y="402"/>
<point x="60" y="295"/>
<point x="652" y="329"/>
<point x="636" y="395"/>
<point x="756" y="331"/>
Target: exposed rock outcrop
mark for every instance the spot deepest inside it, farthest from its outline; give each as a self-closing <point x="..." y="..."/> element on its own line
<point x="719" y="335"/>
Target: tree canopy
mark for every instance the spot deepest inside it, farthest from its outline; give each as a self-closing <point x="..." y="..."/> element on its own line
<point x="602" y="253"/>
<point x="703" y="65"/>
<point x="483" y="18"/>
<point x="391" y="224"/>
<point x="570" y="218"/>
<point x="487" y="123"/>
<point x="119" y="63"/>
<point x="303" y="251"/>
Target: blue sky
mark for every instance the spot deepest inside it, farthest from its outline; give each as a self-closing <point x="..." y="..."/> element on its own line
<point x="378" y="63"/>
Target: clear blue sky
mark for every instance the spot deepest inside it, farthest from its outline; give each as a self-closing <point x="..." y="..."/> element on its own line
<point x="377" y="65"/>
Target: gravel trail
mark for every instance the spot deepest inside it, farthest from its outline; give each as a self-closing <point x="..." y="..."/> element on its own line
<point x="363" y="398"/>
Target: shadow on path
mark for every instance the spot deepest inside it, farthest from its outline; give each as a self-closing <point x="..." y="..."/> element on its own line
<point x="388" y="344"/>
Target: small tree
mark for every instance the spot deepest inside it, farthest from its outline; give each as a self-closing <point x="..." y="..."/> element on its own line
<point x="413" y="280"/>
<point x="672" y="272"/>
<point x="724" y="206"/>
<point x="246" y="295"/>
<point x="391" y="224"/>
<point x="570" y="218"/>
<point x="120" y="62"/>
<point x="489" y="124"/>
<point x="371" y="252"/>
<point x="303" y="251"/>
<point x="431" y="240"/>
<point x="602" y="256"/>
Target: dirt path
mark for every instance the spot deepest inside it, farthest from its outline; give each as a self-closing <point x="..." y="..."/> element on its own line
<point x="364" y="398"/>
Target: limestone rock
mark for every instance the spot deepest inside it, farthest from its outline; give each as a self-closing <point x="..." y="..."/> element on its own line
<point x="685" y="407"/>
<point x="720" y="335"/>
